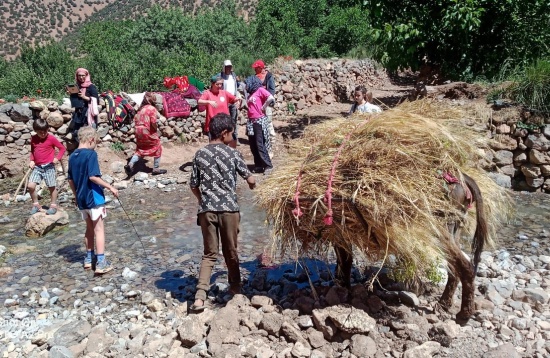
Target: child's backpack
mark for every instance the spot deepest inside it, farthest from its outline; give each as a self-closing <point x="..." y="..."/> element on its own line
<point x="119" y="110"/>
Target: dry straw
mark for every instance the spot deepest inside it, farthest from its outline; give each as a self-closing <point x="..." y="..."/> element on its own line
<point x="387" y="174"/>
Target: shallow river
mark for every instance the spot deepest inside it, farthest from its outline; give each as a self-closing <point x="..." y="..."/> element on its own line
<point x="167" y="247"/>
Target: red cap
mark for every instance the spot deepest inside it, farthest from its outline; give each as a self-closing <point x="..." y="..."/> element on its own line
<point x="258" y="64"/>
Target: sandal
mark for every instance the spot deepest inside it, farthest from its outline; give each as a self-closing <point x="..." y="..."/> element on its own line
<point x="195" y="308"/>
<point x="129" y="170"/>
<point x="52" y="210"/>
<point x="159" y="171"/>
<point x="35" y="209"/>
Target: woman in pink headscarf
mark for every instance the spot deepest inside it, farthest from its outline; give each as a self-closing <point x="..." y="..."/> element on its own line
<point x="84" y="102"/>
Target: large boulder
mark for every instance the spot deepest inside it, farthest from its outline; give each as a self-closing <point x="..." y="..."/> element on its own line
<point x="20" y="113"/>
<point x="55" y="119"/>
<point x="40" y="224"/>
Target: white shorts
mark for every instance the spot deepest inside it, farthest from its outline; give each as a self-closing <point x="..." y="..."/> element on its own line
<point x="94" y="213"/>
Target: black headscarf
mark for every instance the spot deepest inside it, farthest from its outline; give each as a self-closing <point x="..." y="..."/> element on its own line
<point x="252" y="84"/>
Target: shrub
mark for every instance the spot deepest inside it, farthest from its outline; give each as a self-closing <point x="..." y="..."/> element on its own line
<point x="528" y="86"/>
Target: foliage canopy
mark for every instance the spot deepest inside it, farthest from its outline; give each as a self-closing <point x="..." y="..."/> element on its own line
<point x="466" y="39"/>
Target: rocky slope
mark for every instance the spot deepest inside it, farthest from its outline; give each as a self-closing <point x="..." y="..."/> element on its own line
<point x="36" y="22"/>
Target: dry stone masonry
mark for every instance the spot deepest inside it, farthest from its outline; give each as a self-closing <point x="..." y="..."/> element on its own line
<point x="521" y="147"/>
<point x="300" y="84"/>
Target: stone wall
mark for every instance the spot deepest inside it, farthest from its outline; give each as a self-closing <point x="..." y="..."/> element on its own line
<point x="522" y="150"/>
<point x="300" y="84"/>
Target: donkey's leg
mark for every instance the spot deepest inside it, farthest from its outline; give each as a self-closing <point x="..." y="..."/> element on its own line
<point x="344" y="261"/>
<point x="446" y="300"/>
<point x="467" y="277"/>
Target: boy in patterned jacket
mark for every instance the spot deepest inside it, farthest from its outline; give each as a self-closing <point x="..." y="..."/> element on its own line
<point x="213" y="182"/>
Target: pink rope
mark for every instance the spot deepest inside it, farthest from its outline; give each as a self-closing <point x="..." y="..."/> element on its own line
<point x="328" y="193"/>
<point x="297" y="212"/>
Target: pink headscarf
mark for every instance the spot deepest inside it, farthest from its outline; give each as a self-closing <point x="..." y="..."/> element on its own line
<point x="87" y="81"/>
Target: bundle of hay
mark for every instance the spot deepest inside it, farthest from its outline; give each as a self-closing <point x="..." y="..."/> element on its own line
<point x="383" y="174"/>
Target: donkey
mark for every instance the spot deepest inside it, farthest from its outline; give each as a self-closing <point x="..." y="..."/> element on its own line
<point x="460" y="268"/>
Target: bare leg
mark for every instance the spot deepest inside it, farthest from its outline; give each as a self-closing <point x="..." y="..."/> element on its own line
<point x="89" y="235"/>
<point x="32" y="191"/>
<point x="53" y="194"/>
<point x="99" y="232"/>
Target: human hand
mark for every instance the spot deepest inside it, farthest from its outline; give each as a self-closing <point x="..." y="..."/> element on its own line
<point x="31" y="164"/>
<point x="114" y="191"/>
<point x="252" y="185"/>
<point x="214" y="104"/>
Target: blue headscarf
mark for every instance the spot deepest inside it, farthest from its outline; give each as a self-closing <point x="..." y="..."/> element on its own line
<point x="252" y="84"/>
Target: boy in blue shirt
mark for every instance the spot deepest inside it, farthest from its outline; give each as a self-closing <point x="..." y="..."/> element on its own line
<point x="87" y="186"/>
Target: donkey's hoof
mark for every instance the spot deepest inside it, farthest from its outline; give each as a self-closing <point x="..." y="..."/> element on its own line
<point x="442" y="311"/>
<point x="463" y="317"/>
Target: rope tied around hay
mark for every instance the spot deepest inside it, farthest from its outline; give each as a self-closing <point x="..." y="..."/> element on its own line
<point x="297" y="212"/>
<point x="328" y="193"/>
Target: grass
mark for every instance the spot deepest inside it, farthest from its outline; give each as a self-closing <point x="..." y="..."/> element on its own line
<point x="527" y="85"/>
<point x="117" y="146"/>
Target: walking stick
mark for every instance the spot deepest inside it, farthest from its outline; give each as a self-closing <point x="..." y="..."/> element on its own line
<point x="22" y="181"/>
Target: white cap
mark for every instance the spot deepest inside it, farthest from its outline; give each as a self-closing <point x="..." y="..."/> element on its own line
<point x="227" y="63"/>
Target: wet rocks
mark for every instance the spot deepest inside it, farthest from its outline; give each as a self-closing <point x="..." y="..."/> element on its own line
<point x="49" y="305"/>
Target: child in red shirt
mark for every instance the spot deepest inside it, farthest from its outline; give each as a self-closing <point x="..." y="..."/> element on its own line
<point x="42" y="163"/>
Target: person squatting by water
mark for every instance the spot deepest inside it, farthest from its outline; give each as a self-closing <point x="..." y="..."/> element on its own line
<point x="362" y="102"/>
<point x="42" y="162"/>
<point x="257" y="126"/>
<point x="87" y="187"/>
<point x="148" y="142"/>
<point x="84" y="103"/>
<point x="213" y="182"/>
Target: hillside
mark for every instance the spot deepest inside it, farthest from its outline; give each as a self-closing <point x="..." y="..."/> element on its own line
<point x="37" y="21"/>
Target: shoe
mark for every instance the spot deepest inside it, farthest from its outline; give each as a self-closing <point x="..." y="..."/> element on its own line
<point x="103" y="267"/>
<point x="87" y="263"/>
<point x="51" y="211"/>
<point x="268" y="171"/>
<point x="196" y="309"/>
<point x="129" y="170"/>
<point x="35" y="209"/>
<point x="235" y="290"/>
<point x="159" y="171"/>
<point x="258" y="170"/>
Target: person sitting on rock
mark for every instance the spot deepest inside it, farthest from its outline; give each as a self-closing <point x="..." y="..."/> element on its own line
<point x="362" y="102"/>
<point x="147" y="137"/>
<point x="42" y="163"/>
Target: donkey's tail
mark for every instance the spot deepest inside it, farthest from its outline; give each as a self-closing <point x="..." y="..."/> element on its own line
<point x="481" y="234"/>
